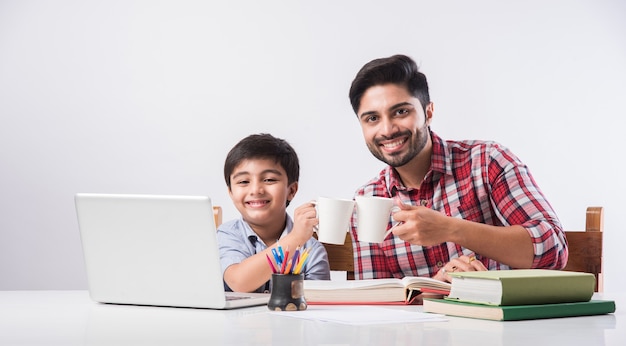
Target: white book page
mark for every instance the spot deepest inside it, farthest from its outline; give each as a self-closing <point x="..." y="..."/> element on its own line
<point x="361" y="315"/>
<point x="351" y="284"/>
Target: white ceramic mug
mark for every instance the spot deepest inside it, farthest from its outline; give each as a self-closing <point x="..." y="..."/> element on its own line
<point x="373" y="215"/>
<point x="334" y="219"/>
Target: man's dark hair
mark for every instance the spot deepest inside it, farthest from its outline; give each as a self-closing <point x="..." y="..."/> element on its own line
<point x="263" y="146"/>
<point x="397" y="69"/>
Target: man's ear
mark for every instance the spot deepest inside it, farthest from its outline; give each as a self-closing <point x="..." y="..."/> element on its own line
<point x="430" y="109"/>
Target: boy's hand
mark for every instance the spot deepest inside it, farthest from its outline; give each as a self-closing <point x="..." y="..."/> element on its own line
<point x="304" y="221"/>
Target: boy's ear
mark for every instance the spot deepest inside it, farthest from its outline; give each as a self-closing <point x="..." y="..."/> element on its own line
<point x="293" y="188"/>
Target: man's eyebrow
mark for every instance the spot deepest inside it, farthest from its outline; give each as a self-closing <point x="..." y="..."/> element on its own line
<point x="401" y="104"/>
<point x="366" y="114"/>
<point x="396" y="106"/>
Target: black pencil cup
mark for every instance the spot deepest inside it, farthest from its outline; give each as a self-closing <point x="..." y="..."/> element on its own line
<point x="287" y="293"/>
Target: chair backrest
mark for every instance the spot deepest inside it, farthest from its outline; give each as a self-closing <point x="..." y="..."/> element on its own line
<point x="341" y="257"/>
<point x="585" y="249"/>
<point x="217" y="215"/>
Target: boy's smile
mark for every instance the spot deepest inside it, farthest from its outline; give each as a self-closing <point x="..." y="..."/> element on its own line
<point x="257" y="203"/>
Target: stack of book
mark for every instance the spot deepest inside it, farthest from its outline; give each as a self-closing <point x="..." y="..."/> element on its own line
<point x="522" y="294"/>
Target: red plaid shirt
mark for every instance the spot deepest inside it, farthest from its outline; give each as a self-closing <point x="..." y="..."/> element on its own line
<point x="474" y="180"/>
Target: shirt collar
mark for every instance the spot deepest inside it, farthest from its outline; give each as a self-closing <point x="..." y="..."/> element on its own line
<point x="250" y="234"/>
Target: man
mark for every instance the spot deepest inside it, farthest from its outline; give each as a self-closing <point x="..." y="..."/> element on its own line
<point x="464" y="205"/>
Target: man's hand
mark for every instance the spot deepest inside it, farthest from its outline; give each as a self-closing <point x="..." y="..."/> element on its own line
<point x="460" y="264"/>
<point x="421" y="225"/>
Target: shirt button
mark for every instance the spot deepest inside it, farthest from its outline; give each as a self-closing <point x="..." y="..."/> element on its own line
<point x="439" y="264"/>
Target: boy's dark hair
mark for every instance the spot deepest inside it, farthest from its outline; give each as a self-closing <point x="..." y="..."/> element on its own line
<point x="397" y="69"/>
<point x="263" y="146"/>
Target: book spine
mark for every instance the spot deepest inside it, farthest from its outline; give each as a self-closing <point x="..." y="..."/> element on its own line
<point x="558" y="310"/>
<point x="542" y="290"/>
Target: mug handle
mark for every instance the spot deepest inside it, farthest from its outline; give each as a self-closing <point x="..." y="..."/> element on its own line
<point x="394" y="209"/>
<point x="315" y="228"/>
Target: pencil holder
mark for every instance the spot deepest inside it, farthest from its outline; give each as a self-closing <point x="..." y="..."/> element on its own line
<point x="287" y="293"/>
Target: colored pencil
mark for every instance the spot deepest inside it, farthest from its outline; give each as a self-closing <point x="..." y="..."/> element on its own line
<point x="269" y="260"/>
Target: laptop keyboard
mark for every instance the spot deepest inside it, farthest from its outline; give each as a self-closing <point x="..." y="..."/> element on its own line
<point x="237" y="297"/>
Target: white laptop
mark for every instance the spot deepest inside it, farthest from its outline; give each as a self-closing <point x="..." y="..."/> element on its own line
<point x="154" y="250"/>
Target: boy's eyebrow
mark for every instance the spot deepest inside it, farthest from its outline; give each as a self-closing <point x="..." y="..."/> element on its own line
<point x="238" y="174"/>
<point x="275" y="171"/>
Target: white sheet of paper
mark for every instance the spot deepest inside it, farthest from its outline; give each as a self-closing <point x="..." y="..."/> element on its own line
<point x="360" y="315"/>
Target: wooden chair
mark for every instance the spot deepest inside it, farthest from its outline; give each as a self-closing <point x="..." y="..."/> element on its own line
<point x="585" y="249"/>
<point x="341" y="257"/>
<point x="217" y="215"/>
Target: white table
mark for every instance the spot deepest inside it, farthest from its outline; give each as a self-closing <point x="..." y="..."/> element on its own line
<point x="71" y="318"/>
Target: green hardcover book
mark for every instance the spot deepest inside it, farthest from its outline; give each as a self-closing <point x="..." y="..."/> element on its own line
<point x="521" y="286"/>
<point x="518" y="312"/>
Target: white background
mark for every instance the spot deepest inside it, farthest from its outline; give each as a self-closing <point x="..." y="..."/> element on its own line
<point x="149" y="96"/>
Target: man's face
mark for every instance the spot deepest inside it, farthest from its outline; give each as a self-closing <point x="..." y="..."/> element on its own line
<point x="394" y="125"/>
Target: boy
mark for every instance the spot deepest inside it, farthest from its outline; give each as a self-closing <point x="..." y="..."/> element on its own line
<point x="261" y="172"/>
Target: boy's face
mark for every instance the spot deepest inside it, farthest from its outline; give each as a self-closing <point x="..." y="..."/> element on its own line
<point x="259" y="190"/>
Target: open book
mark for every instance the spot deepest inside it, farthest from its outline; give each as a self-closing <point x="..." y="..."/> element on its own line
<point x="372" y="291"/>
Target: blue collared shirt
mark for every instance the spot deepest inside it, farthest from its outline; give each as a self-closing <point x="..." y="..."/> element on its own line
<point x="237" y="241"/>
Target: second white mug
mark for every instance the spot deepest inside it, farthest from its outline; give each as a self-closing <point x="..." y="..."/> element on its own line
<point x="373" y="215"/>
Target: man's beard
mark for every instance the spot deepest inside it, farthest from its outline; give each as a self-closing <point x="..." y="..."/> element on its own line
<point x="416" y="144"/>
